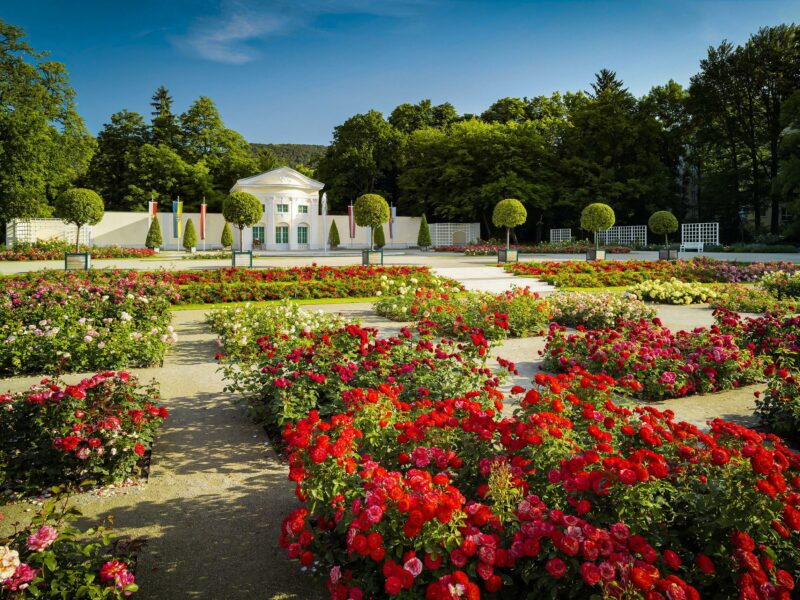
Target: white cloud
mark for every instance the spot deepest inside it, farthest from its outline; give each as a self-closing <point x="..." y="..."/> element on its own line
<point x="225" y="38"/>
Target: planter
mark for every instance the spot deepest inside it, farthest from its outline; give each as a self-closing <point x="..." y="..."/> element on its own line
<point x="242" y="259"/>
<point x="372" y="257"/>
<point x="77" y="261"/>
<point x="507" y="255"/>
<point x="595" y="254"/>
<point x="668" y="254"/>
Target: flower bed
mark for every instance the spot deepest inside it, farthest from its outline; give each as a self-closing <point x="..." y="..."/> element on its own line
<point x="629" y="272"/>
<point x="50" y="558"/>
<point x="56" y="250"/>
<point x="298" y="370"/>
<point x="751" y="299"/>
<point x="62" y="322"/>
<point x="97" y="430"/>
<point x="774" y="335"/>
<point x="574" y="497"/>
<point x="596" y="311"/>
<point x="518" y="312"/>
<point x="673" y="291"/>
<point x="662" y="364"/>
<point x="778" y="408"/>
<point x="542" y="248"/>
<point x="782" y="284"/>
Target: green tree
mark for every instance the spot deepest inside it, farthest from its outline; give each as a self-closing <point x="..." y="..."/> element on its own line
<point x="44" y="145"/>
<point x="80" y="207"/>
<point x="371" y="210"/>
<point x="505" y="110"/>
<point x="407" y="118"/>
<point x="663" y="223"/>
<point x="243" y="210"/>
<point x="788" y="182"/>
<point x="227" y="236"/>
<point x="363" y="158"/>
<point x="333" y="236"/>
<point x="189" y="236"/>
<point x="154" y="238"/>
<point x="424" y="235"/>
<point x="164" y="124"/>
<point x="380" y="237"/>
<point x="509" y="213"/>
<point x="597" y="217"/>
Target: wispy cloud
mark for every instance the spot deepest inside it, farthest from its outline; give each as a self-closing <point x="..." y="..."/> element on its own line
<point x="228" y="36"/>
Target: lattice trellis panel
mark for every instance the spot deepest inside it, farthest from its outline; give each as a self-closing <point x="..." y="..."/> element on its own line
<point x="624" y="235"/>
<point x="454" y="234"/>
<point x="708" y="233"/>
<point x="560" y="235"/>
<point x="29" y="231"/>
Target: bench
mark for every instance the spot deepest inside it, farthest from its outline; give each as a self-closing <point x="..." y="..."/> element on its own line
<point x="692" y="246"/>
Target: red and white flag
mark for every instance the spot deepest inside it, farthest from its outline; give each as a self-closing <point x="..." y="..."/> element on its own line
<point x="351" y="221"/>
<point x="152" y="209"/>
<point x="203" y="221"/>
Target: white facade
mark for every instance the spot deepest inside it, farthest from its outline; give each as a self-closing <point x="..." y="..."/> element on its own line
<point x="292" y="219"/>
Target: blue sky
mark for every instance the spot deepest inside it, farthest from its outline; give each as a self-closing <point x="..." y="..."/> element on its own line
<point x="290" y="70"/>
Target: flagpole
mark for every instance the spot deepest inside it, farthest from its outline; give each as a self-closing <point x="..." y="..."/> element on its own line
<point x="203" y="216"/>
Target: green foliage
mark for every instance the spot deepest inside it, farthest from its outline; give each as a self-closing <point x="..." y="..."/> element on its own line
<point x="80" y="207"/>
<point x="509" y="213"/>
<point x="379" y="237"/>
<point x="189" y="236"/>
<point x="154" y="237"/>
<point x="371" y="210"/>
<point x="597" y="217"/>
<point x="333" y="236"/>
<point x="227" y="236"/>
<point x="44" y="145"/>
<point x="424" y="235"/>
<point x="291" y="154"/>
<point x="663" y="223"/>
<point x="243" y="210"/>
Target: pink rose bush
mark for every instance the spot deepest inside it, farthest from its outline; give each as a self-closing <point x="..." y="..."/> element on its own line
<point x="96" y="430"/>
<point x="657" y="363"/>
<point x="50" y="558"/>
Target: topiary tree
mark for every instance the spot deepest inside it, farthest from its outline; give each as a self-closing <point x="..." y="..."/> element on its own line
<point x="243" y="210"/>
<point x="380" y="237"/>
<point x="154" y="238"/>
<point x="424" y="235"/>
<point x="189" y="236"/>
<point x="371" y="210"/>
<point x="333" y="236"/>
<point x="227" y="236"/>
<point x="663" y="223"/>
<point x="509" y="213"/>
<point x="80" y="207"/>
<point x="597" y="217"/>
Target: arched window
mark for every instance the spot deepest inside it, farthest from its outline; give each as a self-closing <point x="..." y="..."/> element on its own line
<point x="302" y="234"/>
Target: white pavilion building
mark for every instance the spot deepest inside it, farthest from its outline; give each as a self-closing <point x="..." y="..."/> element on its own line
<point x="292" y="219"/>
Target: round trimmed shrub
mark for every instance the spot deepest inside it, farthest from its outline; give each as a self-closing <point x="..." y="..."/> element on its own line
<point x="80" y="207"/>
<point x="509" y="213"/>
<point x="597" y="217"/>
<point x="243" y="210"/>
<point x="663" y="223"/>
<point x="371" y="210"/>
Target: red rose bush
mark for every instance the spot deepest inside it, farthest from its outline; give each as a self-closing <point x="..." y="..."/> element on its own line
<point x="96" y="430"/>
<point x="657" y="363"/>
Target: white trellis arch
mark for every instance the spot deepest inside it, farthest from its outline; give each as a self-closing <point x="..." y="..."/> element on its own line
<point x="560" y="235"/>
<point x="624" y="235"/>
<point x="30" y="231"/>
<point x="454" y="234"/>
<point x="707" y="233"/>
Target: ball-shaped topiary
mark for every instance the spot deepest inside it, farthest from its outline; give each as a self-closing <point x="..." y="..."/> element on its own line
<point x="371" y="210"/>
<point x="597" y="217"/>
<point x="189" y="236"/>
<point x="663" y="223"/>
<point x="154" y="238"/>
<point x="243" y="210"/>
<point x="80" y="207"/>
<point x="227" y="237"/>
<point x="509" y="213"/>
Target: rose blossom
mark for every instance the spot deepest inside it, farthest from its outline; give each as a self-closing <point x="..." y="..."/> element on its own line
<point x="42" y="538"/>
<point x="9" y="561"/>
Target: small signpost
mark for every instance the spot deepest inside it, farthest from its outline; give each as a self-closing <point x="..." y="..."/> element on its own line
<point x="77" y="261"/>
<point x="242" y="259"/>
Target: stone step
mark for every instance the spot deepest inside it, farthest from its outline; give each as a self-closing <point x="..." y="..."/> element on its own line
<point x="491" y="279"/>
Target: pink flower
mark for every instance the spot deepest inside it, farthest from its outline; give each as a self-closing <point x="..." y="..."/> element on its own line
<point x="118" y="572"/>
<point x="23" y="575"/>
<point x="42" y="538"/>
<point x="414" y="566"/>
